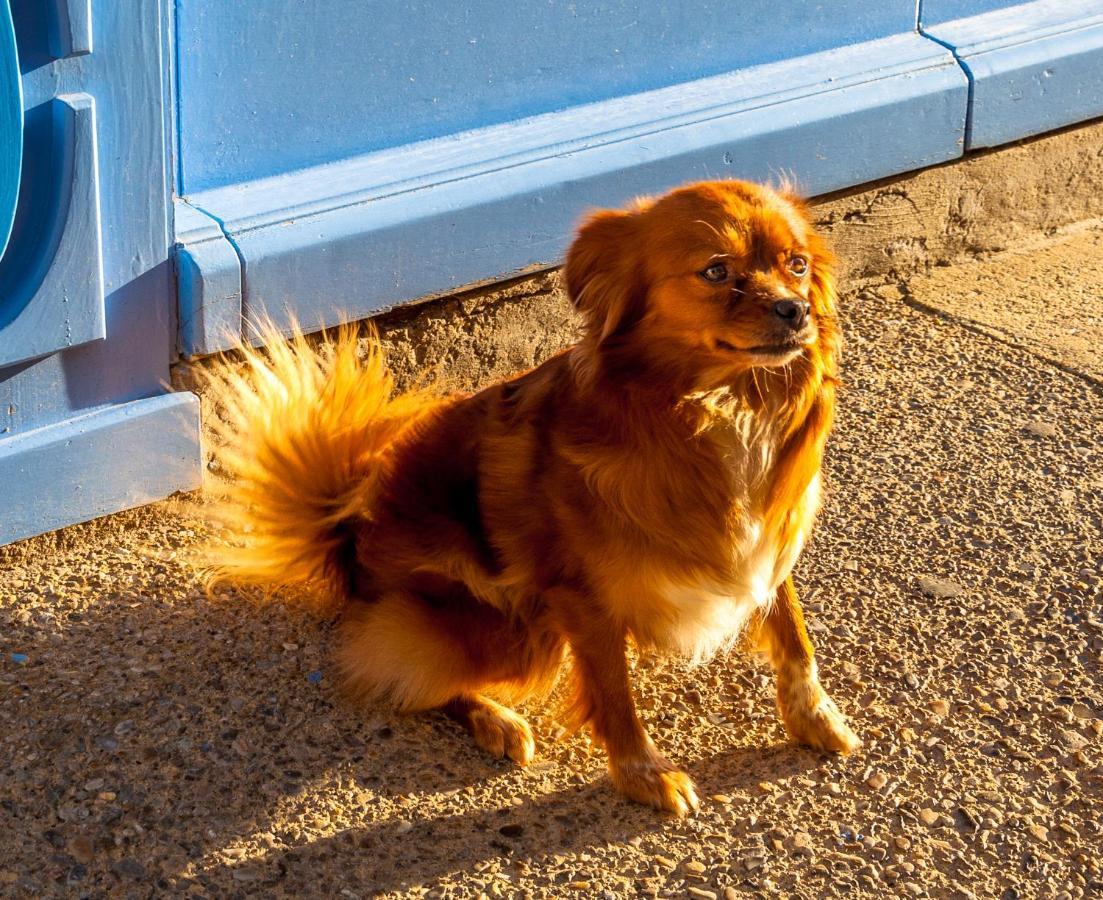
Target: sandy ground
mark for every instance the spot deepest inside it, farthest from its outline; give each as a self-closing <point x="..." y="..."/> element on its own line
<point x="155" y="742"/>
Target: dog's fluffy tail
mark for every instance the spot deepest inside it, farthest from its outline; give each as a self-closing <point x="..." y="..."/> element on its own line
<point x="303" y="432"/>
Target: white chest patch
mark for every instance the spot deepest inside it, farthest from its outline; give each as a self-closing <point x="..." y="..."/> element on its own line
<point x="706" y="618"/>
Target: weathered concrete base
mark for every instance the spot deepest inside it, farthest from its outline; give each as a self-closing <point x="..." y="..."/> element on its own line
<point x="883" y="233"/>
<point x="1040" y="296"/>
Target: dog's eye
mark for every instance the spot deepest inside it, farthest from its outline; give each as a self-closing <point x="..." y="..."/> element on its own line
<point x="715" y="273"/>
<point x="798" y="265"/>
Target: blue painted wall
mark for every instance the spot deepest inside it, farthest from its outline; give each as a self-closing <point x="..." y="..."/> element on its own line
<point x="268" y="86"/>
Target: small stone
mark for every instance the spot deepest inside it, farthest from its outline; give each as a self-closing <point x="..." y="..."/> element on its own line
<point x="754" y="861"/>
<point x="663" y="862"/>
<point x="730" y="894"/>
<point x="939" y="588"/>
<point x="81" y="848"/>
<point x="1073" y="739"/>
<point x="877" y="780"/>
<point x="721" y="798"/>
<point x="694" y="697"/>
<point x="701" y="892"/>
<point x="1039" y="832"/>
<point x="969" y="818"/>
<point x="130" y="867"/>
<point x="695" y="868"/>
<point x="512" y="830"/>
<point x="928" y="816"/>
<point x="801" y="842"/>
<point x="1042" y="429"/>
<point x="403" y="826"/>
<point x="939" y="707"/>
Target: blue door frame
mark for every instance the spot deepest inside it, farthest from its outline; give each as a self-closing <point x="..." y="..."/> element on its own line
<point x="86" y="287"/>
<point x="170" y="170"/>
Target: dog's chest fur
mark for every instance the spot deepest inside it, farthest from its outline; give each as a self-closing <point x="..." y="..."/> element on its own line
<point x="702" y="613"/>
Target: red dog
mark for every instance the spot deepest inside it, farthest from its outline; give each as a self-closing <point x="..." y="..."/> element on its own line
<point x="653" y="483"/>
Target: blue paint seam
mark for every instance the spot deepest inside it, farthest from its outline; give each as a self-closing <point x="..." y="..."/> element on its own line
<point x="971" y="81"/>
<point x="177" y="141"/>
<point x="237" y="251"/>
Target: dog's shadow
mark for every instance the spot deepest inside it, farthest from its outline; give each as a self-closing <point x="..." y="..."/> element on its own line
<point x="398" y="853"/>
<point x="165" y="738"/>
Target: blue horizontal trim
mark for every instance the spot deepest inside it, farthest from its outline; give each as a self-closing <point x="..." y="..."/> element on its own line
<point x="349" y="239"/>
<point x="98" y="463"/>
<point x="1032" y="67"/>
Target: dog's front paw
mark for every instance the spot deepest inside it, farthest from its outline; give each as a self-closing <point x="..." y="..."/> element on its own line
<point x="812" y="718"/>
<point x="500" y="731"/>
<point x="652" y="780"/>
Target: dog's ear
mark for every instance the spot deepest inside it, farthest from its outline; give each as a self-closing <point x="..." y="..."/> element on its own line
<point x="603" y="274"/>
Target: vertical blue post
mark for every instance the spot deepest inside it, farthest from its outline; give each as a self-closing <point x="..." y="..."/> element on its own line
<point x="11" y="124"/>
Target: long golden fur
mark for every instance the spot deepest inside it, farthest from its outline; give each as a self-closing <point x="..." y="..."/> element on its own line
<point x="654" y="483"/>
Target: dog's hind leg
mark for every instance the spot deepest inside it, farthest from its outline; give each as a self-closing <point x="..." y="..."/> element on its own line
<point x="442" y="652"/>
<point x="496" y="728"/>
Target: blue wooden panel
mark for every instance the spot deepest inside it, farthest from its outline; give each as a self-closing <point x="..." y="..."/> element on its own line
<point x="98" y="463"/>
<point x="72" y="36"/>
<point x="356" y="237"/>
<point x="271" y="86"/>
<point x="1032" y="67"/>
<point x="88" y="430"/>
<point x="129" y="88"/>
<point x="51" y="279"/>
<point x="934" y="12"/>
<point x="11" y="124"/>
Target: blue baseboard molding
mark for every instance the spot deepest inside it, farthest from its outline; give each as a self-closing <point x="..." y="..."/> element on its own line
<point x="349" y="239"/>
<point x="1032" y="67"/>
<point x="98" y="463"/>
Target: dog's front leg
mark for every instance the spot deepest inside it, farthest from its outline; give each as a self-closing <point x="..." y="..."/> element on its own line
<point x="810" y="716"/>
<point x="603" y="699"/>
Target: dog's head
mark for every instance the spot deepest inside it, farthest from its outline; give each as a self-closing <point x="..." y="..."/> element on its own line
<point x="708" y="281"/>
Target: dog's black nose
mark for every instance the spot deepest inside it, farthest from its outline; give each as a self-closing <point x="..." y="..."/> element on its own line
<point x="793" y="312"/>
